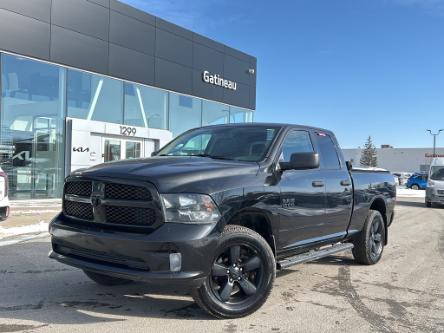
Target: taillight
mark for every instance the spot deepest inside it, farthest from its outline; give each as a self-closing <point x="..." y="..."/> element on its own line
<point x="5" y="182"/>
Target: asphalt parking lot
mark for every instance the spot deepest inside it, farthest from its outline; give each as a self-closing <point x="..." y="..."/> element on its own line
<point x="403" y="293"/>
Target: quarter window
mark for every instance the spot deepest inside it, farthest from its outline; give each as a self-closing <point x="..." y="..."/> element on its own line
<point x="328" y="151"/>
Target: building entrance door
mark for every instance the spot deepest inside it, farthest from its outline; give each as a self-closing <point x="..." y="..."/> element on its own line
<point x="115" y="149"/>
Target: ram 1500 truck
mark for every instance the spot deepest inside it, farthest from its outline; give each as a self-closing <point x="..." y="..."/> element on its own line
<point x="220" y="209"/>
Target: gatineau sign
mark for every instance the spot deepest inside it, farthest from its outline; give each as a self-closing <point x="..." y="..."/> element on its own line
<point x="217" y="80"/>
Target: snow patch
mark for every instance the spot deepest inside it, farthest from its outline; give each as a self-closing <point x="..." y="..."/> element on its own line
<point x="22" y="239"/>
<point x="408" y="193"/>
<point x="40" y="227"/>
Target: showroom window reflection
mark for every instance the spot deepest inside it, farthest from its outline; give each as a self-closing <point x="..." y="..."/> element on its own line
<point x="214" y="113"/>
<point x="145" y="107"/>
<point x="240" y="115"/>
<point x="94" y="97"/>
<point x="185" y="113"/>
<point x="31" y="121"/>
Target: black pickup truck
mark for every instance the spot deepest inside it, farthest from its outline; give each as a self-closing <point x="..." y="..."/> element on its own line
<point x="220" y="209"/>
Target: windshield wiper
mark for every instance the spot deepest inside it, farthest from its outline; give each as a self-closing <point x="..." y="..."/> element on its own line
<point x="200" y="155"/>
<point x="212" y="156"/>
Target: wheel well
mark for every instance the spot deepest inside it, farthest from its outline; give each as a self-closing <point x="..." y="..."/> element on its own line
<point x="258" y="223"/>
<point x="379" y="205"/>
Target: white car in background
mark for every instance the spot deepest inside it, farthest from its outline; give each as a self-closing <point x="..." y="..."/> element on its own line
<point x="435" y="186"/>
<point x="4" y="201"/>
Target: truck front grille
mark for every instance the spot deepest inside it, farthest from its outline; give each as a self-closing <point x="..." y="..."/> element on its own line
<point x="81" y="188"/>
<point x="130" y="215"/>
<point x="127" y="192"/>
<point x="79" y="210"/>
<point x="109" y="203"/>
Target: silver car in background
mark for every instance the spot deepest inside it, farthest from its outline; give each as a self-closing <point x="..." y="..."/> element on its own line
<point x="435" y="185"/>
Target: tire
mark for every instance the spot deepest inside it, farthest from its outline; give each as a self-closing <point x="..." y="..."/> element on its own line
<point x="106" y="280"/>
<point x="369" y="243"/>
<point x="428" y="204"/>
<point x="3" y="213"/>
<point x="415" y="187"/>
<point x="242" y="275"/>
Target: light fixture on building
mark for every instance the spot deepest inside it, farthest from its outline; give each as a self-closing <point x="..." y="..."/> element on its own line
<point x="251" y="71"/>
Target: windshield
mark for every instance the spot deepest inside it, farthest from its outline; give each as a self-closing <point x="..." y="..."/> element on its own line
<point x="248" y="143"/>
<point x="437" y="173"/>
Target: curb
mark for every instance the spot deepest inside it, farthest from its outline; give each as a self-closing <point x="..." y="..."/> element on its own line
<point x="22" y="238"/>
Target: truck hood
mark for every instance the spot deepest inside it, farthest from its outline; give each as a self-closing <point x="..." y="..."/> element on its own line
<point x="179" y="174"/>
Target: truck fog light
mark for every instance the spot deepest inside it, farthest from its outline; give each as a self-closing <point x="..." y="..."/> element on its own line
<point x="175" y="262"/>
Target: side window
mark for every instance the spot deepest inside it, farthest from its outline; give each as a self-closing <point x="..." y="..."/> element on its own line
<point x="327" y="150"/>
<point x="295" y="142"/>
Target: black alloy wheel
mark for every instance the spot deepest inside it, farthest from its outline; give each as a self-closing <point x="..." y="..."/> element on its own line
<point x="241" y="276"/>
<point x="369" y="243"/>
<point x="376" y="241"/>
<point x="236" y="274"/>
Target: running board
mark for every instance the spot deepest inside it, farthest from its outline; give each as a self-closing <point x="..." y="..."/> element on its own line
<point x="313" y="255"/>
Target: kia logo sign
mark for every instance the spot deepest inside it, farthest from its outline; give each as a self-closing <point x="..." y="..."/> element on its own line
<point x="80" y="149"/>
<point x="217" y="80"/>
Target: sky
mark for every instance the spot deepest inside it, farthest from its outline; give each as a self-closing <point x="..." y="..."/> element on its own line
<point x="356" y="67"/>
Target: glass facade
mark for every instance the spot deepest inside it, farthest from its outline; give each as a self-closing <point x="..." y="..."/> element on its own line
<point x="94" y="97"/>
<point x="31" y="136"/>
<point x="145" y="107"/>
<point x="185" y="113"/>
<point x="214" y="113"/>
<point x="36" y="97"/>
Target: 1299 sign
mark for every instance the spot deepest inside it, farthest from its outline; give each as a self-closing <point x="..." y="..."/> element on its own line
<point x="128" y="131"/>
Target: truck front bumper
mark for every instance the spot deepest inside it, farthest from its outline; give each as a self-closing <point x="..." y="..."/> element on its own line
<point x="137" y="256"/>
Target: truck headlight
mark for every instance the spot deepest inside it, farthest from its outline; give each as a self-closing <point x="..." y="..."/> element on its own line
<point x="189" y="208"/>
<point x="430" y="183"/>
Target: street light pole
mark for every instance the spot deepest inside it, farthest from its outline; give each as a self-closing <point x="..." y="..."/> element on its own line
<point x="434" y="139"/>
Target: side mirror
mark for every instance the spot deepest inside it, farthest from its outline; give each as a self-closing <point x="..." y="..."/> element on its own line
<point x="154" y="153"/>
<point x="349" y="165"/>
<point x="301" y="161"/>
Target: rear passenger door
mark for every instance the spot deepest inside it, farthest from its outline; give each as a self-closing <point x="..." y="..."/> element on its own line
<point x="338" y="186"/>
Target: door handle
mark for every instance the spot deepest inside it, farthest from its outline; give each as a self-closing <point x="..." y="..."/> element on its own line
<point x="317" y="183"/>
<point x="345" y="182"/>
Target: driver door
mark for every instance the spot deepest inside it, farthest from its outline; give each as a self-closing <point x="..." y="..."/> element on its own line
<point x="302" y="193"/>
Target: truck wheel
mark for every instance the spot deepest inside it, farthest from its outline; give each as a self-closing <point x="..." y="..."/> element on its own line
<point x="369" y="244"/>
<point x="106" y="280"/>
<point x="241" y="277"/>
<point x="428" y="204"/>
<point x="415" y="187"/>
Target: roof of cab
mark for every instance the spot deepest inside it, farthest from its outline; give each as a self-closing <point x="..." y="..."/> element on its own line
<point x="282" y="125"/>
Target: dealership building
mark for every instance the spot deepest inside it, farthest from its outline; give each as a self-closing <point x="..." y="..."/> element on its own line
<point x="90" y="81"/>
<point x="398" y="159"/>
